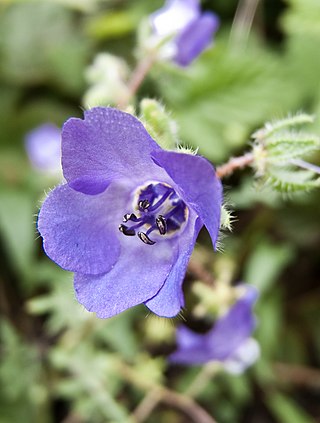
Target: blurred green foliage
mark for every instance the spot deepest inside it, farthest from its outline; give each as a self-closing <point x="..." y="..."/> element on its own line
<point x="59" y="363"/>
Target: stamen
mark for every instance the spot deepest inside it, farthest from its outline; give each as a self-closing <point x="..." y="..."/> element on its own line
<point x="143" y="204"/>
<point x="130" y="216"/>
<point x="144" y="238"/>
<point x="161" y="224"/>
<point x="126" y="231"/>
<point x="161" y="201"/>
<point x="158" y="209"/>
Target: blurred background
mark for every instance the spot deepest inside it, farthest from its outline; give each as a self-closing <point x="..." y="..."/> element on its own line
<point x="60" y="363"/>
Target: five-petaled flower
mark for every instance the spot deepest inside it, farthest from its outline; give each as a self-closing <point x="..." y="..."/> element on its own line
<point x="43" y="146"/>
<point x="115" y="173"/>
<point x="188" y="30"/>
<point x="228" y="342"/>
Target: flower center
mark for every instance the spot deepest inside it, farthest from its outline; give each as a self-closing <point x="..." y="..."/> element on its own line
<point x="157" y="208"/>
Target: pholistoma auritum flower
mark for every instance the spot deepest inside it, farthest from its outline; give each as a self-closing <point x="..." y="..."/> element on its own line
<point x="228" y="342"/>
<point x="43" y="146"/>
<point x="187" y="30"/>
<point x="128" y="217"/>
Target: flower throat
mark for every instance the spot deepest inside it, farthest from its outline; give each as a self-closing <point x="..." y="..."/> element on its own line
<point x="158" y="209"/>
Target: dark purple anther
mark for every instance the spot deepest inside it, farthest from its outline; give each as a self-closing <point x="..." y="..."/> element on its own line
<point x="144" y="238"/>
<point x="130" y="216"/>
<point x="126" y="231"/>
<point x="143" y="204"/>
<point x="161" y="224"/>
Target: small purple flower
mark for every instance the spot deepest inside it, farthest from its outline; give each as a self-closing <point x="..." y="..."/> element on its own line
<point x="127" y="220"/>
<point x="228" y="341"/>
<point x="190" y="30"/>
<point x="43" y="145"/>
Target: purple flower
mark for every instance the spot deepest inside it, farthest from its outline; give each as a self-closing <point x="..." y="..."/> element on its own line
<point x="43" y="146"/>
<point x="117" y="173"/>
<point x="228" y="341"/>
<point x="190" y="30"/>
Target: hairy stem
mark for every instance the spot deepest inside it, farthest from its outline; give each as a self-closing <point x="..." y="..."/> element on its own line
<point x="200" y="272"/>
<point x="137" y="77"/>
<point x="146" y="406"/>
<point x="160" y="394"/>
<point x="201" y="380"/>
<point x="298" y="375"/>
<point x="233" y="164"/>
<point x="187" y="405"/>
<point x="173" y="399"/>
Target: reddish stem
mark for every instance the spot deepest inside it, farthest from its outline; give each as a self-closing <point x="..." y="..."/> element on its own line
<point x="136" y="79"/>
<point x="233" y="164"/>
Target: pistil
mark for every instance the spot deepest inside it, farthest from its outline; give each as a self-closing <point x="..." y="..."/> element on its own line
<point x="161" y="201"/>
<point x="160" y="210"/>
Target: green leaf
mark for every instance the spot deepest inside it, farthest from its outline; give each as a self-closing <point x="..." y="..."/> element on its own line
<point x="249" y="193"/>
<point x="151" y="369"/>
<point x="64" y="311"/>
<point x="286" y="410"/>
<point x="20" y="363"/>
<point x="277" y="125"/>
<point x="277" y="151"/>
<point x="269" y="308"/>
<point x="224" y="94"/>
<point x="39" y="42"/>
<point x="290" y="181"/>
<point x="112" y="24"/>
<point x="17" y="216"/>
<point x="89" y="380"/>
<point x="290" y="145"/>
<point x="118" y="333"/>
<point x="266" y="263"/>
<point x="159" y="124"/>
<point x="302" y="17"/>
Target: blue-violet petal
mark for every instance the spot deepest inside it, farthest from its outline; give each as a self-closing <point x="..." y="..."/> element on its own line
<point x="138" y="275"/>
<point x="195" y="38"/>
<point x="198" y="184"/>
<point x="108" y="144"/>
<point x="169" y="300"/>
<point x="76" y="233"/>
